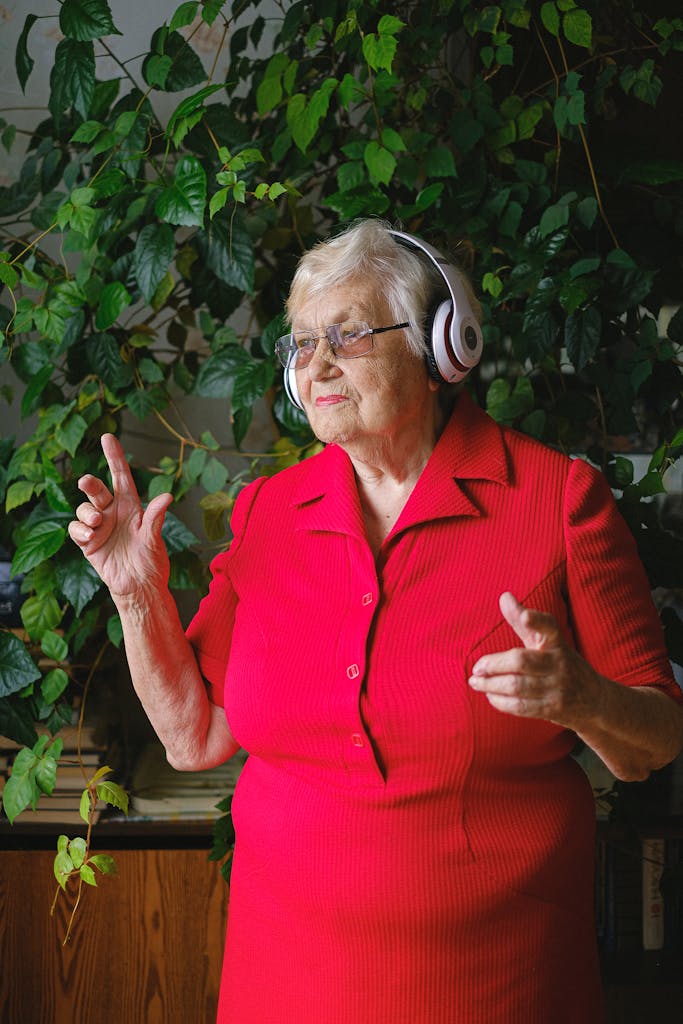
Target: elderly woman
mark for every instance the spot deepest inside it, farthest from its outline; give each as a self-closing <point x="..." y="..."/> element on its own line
<point x="408" y="633"/>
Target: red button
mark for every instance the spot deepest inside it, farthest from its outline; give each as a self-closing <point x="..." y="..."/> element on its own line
<point x="357" y="740"/>
<point x="353" y="671"/>
<point x="367" y="599"/>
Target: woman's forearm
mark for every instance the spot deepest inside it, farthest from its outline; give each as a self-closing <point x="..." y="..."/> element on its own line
<point x="168" y="682"/>
<point x="633" y="730"/>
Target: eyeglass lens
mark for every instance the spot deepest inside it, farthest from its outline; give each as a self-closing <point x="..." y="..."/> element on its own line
<point x="348" y="340"/>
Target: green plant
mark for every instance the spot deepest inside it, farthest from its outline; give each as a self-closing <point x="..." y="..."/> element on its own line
<point x="146" y="257"/>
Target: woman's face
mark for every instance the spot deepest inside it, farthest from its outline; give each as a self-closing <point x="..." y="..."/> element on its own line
<point x="383" y="396"/>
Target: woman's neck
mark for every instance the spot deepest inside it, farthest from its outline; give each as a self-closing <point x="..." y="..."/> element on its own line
<point x="386" y="474"/>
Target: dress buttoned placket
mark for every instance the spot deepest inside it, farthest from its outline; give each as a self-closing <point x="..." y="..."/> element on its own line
<point x="357" y="748"/>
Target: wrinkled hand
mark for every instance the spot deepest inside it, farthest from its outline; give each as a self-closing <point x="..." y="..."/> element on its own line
<point x="543" y="679"/>
<point x="121" y="541"/>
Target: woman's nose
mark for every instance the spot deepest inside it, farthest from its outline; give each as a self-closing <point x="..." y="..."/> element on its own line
<point x="324" y="362"/>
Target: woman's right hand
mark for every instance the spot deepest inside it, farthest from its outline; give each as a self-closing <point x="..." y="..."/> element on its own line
<point x="121" y="541"/>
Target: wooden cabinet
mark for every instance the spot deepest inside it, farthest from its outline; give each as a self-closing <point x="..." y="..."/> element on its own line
<point x="146" y="948"/>
<point x="147" y="945"/>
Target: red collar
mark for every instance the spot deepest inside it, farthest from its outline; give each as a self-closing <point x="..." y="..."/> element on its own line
<point x="471" y="447"/>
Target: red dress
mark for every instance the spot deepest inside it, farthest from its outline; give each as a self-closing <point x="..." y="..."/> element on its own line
<point x="405" y="853"/>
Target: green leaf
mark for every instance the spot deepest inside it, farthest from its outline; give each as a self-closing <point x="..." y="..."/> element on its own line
<point x="528" y="119"/>
<point x="300" y="122"/>
<point x="577" y="26"/>
<point x="154" y="250"/>
<point x="379" y="50"/>
<point x="268" y="94"/>
<point x="71" y="432"/>
<point x="54" y="646"/>
<point x="185" y="200"/>
<point x="228" y="252"/>
<point x="62" y="867"/>
<point x="78" y="581"/>
<point x="380" y="162"/>
<point x="214" y="477"/>
<point x="438" y="161"/>
<point x="551" y="18"/>
<point x="87" y="874"/>
<point x="492" y="284"/>
<point x="113" y="794"/>
<point x="156" y="70"/>
<point x="552" y="218"/>
<point x="49" y="323"/>
<point x="184" y="15"/>
<point x="99" y="774"/>
<point x="623" y="471"/>
<point x="46" y="773"/>
<point x="72" y="81"/>
<point x="210" y="10"/>
<point x="113" y="300"/>
<point x="184" y="68"/>
<point x="84" y="806"/>
<point x="582" y="334"/>
<point x="24" y="63"/>
<point x="252" y="381"/>
<point x="587" y="211"/>
<point x="104" y="863"/>
<point x="115" y="630"/>
<point x="506" y="405"/>
<point x="43" y="540"/>
<point x="77" y="851"/>
<point x="140" y="403"/>
<point x="18" y="493"/>
<point x="31" y="397"/>
<point x="390" y="25"/>
<point x="216" y="375"/>
<point x="18" y="793"/>
<point x="190" y="105"/>
<point x="53" y="685"/>
<point x="8" y="274"/>
<point x="177" y="537"/>
<point x="86" y="19"/>
<point x="88" y="131"/>
<point x="40" y="613"/>
<point x="16" y="721"/>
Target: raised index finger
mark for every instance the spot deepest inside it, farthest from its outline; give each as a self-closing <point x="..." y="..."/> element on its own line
<point x="121" y="476"/>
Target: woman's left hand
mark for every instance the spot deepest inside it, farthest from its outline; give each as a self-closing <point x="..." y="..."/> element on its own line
<point x="545" y="678"/>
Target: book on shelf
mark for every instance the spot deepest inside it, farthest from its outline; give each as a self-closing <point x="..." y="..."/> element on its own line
<point x="58" y="809"/>
<point x="653" y="851"/>
<point x="159" y="791"/>
<point x="639" y="894"/>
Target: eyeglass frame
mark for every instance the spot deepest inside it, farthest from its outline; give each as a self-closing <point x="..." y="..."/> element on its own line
<point x="337" y="347"/>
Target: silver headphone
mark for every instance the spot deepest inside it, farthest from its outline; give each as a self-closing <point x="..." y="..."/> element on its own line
<point x="454" y="338"/>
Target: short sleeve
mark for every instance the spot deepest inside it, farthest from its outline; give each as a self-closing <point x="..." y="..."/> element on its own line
<point x="210" y="631"/>
<point x="615" y="623"/>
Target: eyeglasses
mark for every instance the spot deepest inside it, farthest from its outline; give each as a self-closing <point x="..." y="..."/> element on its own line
<point x="349" y="340"/>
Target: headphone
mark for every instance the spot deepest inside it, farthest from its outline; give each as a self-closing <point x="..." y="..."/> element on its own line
<point x="453" y="333"/>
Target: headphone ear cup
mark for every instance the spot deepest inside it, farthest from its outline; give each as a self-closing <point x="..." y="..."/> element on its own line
<point x="291" y="389"/>
<point x="430" y="361"/>
<point x="456" y="341"/>
<point x="439" y="338"/>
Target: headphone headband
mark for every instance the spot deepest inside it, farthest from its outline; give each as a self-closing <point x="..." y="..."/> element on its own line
<point x="455" y="340"/>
